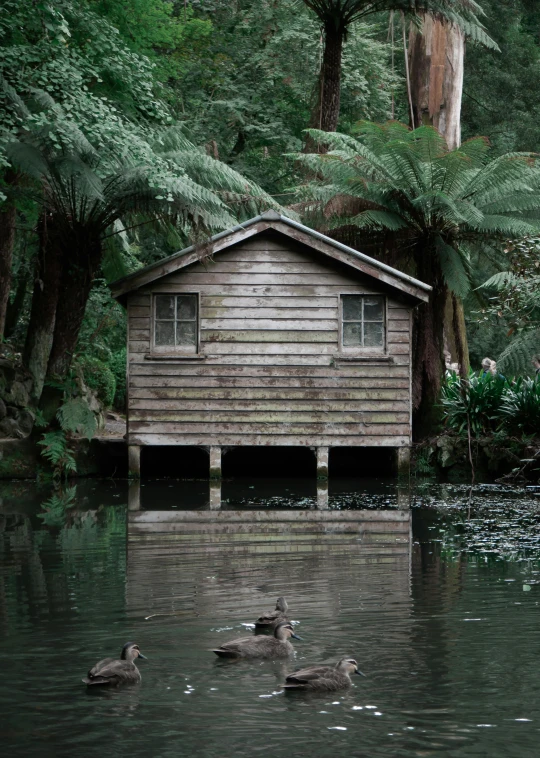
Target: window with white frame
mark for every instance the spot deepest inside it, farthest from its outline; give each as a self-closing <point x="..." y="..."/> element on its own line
<point x="176" y="323"/>
<point x="363" y="322"/>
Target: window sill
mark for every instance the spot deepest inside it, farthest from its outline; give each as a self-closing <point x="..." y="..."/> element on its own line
<point x="174" y="357"/>
<point x="360" y="358"/>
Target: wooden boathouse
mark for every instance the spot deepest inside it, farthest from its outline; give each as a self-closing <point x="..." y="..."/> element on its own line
<point x="269" y="334"/>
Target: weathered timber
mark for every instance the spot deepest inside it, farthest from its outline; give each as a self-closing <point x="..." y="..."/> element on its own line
<point x="301" y="382"/>
<point x="322" y="463"/>
<point x="238" y="439"/>
<point x="275" y="336"/>
<point x="269" y="368"/>
<point x="215" y="462"/>
<point x="266" y="393"/>
<point x="134" y="460"/>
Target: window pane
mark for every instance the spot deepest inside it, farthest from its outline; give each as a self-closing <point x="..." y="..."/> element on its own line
<point x="352" y="334"/>
<point x="164" y="332"/>
<point x="373" y="309"/>
<point x="186" y="307"/>
<point x="186" y="333"/>
<point x="164" y="306"/>
<point x="373" y="334"/>
<point x="352" y="308"/>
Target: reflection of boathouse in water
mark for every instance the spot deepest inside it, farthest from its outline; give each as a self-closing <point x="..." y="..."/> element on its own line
<point x="269" y="334"/>
<point x="216" y="561"/>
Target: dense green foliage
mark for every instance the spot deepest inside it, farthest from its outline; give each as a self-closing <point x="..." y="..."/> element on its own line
<point x="484" y="404"/>
<point x="99" y="377"/>
<point x="404" y="196"/>
<point x="133" y="127"/>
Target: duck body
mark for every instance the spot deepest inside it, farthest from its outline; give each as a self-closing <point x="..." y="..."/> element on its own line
<point x="115" y="671"/>
<point x="278" y="646"/>
<point x="271" y="619"/>
<point x="323" y="678"/>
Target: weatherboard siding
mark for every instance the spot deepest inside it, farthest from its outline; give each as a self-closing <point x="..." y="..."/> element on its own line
<point x="269" y="334"/>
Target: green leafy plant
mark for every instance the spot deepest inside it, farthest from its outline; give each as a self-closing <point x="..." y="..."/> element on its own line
<point x="99" y="377"/>
<point x="56" y="450"/>
<point x="520" y="408"/>
<point x="117" y="365"/>
<point x="76" y="417"/>
<point x="473" y="404"/>
<point x="403" y="196"/>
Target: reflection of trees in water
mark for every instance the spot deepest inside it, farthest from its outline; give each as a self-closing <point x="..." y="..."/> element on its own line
<point x="49" y="573"/>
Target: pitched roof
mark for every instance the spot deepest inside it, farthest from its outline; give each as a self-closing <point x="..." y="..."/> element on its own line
<point x="393" y="278"/>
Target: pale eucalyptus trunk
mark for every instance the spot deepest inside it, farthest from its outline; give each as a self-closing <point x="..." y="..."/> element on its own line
<point x="436" y="63"/>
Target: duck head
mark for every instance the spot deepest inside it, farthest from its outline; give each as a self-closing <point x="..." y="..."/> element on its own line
<point x="130" y="651"/>
<point x="284" y="631"/>
<point x="349" y="666"/>
<point x="281" y="605"/>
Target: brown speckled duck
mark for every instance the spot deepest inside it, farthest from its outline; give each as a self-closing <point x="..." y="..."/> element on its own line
<point x="278" y="646"/>
<point x="271" y="619"/>
<point x="114" y="671"/>
<point x="323" y="678"/>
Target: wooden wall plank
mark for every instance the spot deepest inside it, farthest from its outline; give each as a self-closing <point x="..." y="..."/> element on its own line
<point x="224" y="314"/>
<point x="267" y="323"/>
<point x="158" y="406"/>
<point x="211" y="370"/>
<point x="273" y="289"/>
<point x="267" y="393"/>
<point x="275" y="336"/>
<point x="165" y="421"/>
<point x="239" y="440"/>
<point x="273" y="382"/>
<point x="154" y="408"/>
<point x="272" y="302"/>
<point x="259" y="427"/>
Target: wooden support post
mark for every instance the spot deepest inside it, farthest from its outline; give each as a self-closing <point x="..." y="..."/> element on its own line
<point x="134" y="496"/>
<point x="322" y="494"/>
<point x="134" y="461"/>
<point x="322" y="462"/>
<point x="215" y="495"/>
<point x="215" y="462"/>
<point x="404" y="462"/>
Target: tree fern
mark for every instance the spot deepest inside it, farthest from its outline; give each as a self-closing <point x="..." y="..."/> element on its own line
<point x="75" y="416"/>
<point x="400" y="194"/>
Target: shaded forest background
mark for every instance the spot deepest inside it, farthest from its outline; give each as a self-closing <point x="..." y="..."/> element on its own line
<point x="237" y="82"/>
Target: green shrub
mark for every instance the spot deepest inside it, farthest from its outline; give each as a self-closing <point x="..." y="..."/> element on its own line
<point x="476" y="401"/>
<point x="520" y="408"/>
<point x="99" y="377"/>
<point x="117" y="365"/>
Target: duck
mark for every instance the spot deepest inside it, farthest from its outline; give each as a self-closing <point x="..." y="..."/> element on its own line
<point x="323" y="678"/>
<point x="114" y="671"/>
<point x="271" y="619"/>
<point x="278" y="646"/>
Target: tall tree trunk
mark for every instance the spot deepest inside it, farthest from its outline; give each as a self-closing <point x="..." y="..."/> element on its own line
<point x="428" y="347"/>
<point x="78" y="273"/>
<point x="325" y="115"/>
<point x="8" y="217"/>
<point x="436" y="63"/>
<point x="39" y="336"/>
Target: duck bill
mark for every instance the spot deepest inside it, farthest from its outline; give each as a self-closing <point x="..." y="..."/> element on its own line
<point x="359" y="672"/>
<point x="143" y="657"/>
<point x="296" y="637"/>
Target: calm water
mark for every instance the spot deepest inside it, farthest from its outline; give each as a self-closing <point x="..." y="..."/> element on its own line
<point x="439" y="604"/>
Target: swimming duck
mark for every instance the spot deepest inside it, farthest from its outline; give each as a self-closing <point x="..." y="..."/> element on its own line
<point x="271" y="619"/>
<point x="278" y="646"/>
<point x="117" y="671"/>
<point x="323" y="678"/>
